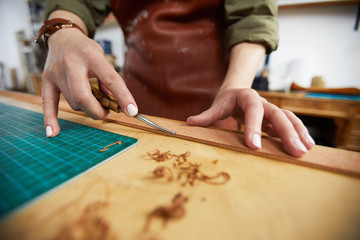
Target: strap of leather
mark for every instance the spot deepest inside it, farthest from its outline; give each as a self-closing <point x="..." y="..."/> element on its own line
<point x="51" y="26"/>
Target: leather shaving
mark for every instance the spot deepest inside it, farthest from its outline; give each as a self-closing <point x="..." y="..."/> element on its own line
<point x="91" y="224"/>
<point x="160" y="157"/>
<point x="108" y="146"/>
<point x="187" y="172"/>
<point x="163" y="172"/>
<point x="175" y="210"/>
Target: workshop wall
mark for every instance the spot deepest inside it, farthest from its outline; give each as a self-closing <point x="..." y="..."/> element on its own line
<point x="14" y="17"/>
<point x="317" y="41"/>
<point x="112" y="32"/>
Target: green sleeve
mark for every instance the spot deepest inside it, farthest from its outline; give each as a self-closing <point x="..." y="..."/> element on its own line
<point x="92" y="12"/>
<point x="252" y="21"/>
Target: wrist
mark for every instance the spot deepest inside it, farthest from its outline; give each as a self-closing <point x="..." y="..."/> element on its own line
<point x="53" y="25"/>
<point x="58" y="20"/>
<point x="70" y="16"/>
<point x="244" y="61"/>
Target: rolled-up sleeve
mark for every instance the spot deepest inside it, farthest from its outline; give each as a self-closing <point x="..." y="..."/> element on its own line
<point x="252" y="21"/>
<point x="92" y="12"/>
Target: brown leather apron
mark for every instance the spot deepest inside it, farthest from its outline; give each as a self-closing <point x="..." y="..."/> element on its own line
<point x="176" y="56"/>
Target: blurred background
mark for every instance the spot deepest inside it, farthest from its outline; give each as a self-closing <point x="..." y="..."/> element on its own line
<point x="315" y="72"/>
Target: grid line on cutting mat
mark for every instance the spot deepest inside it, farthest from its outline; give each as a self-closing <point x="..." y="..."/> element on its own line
<point x="32" y="164"/>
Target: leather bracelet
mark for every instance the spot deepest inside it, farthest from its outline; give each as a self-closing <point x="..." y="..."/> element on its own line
<point x="53" y="25"/>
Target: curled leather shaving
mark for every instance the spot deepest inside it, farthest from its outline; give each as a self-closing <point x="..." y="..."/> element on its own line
<point x="92" y="224"/>
<point x="186" y="169"/>
<point x="108" y="146"/>
<point x="163" y="172"/>
<point x="89" y="222"/>
<point x="175" y="210"/>
<point x="160" y="157"/>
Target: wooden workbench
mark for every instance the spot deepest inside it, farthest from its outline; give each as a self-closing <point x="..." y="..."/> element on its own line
<point x="344" y="113"/>
<point x="264" y="199"/>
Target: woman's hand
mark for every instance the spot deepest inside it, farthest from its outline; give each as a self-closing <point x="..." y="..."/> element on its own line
<point x="72" y="59"/>
<point x="237" y="99"/>
<point x="257" y="115"/>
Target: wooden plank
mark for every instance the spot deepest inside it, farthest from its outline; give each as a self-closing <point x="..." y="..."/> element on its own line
<point x="330" y="159"/>
<point x="316" y="113"/>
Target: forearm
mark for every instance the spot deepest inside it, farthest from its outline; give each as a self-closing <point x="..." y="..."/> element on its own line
<point x="244" y="61"/>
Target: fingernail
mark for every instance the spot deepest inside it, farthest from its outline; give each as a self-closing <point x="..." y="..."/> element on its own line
<point x="48" y="131"/>
<point x="309" y="138"/>
<point x="131" y="109"/>
<point x="299" y="145"/>
<point x="256" y="140"/>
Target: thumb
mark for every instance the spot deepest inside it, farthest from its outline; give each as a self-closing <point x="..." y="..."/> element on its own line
<point x="50" y="101"/>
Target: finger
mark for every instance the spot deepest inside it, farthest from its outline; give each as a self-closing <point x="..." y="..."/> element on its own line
<point x="269" y="129"/>
<point x="81" y="95"/>
<point x="205" y="118"/>
<point x="253" y="109"/>
<point x="224" y="106"/>
<point x="302" y="131"/>
<point x="112" y="81"/>
<point x="104" y="89"/>
<point x="50" y="102"/>
<point x="284" y="128"/>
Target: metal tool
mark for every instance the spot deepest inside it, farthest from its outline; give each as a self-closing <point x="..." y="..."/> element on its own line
<point x="108" y="102"/>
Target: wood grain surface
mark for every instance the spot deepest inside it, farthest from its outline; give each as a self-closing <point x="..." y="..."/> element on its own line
<point x="264" y="199"/>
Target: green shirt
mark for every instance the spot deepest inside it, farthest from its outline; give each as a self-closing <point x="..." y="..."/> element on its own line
<point x="247" y="20"/>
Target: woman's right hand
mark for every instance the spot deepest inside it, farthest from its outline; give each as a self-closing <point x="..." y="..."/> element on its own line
<point x="72" y="59"/>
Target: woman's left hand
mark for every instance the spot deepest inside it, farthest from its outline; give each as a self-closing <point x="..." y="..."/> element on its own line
<point x="236" y="98"/>
<point x="257" y="115"/>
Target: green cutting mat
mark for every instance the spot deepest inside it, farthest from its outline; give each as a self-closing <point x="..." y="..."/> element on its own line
<point x="32" y="164"/>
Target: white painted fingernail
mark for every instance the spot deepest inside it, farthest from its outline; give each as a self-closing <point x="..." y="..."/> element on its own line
<point x="132" y="110"/>
<point x="309" y="138"/>
<point x="48" y="131"/>
<point x="256" y="140"/>
<point x="299" y="145"/>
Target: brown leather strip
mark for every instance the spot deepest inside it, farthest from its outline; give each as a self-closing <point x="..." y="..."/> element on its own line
<point x="51" y="26"/>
